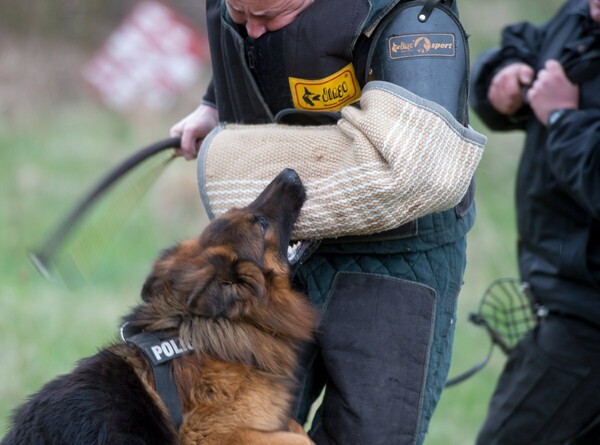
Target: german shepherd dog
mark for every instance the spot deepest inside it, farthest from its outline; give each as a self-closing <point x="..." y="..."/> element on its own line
<point x="226" y="301"/>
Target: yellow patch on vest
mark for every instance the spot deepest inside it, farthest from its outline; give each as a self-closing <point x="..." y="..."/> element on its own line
<point x="328" y="94"/>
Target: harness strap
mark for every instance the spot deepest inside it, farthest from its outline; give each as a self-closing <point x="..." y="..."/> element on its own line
<point x="163" y="377"/>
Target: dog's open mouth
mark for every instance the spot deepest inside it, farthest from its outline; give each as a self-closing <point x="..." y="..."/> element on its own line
<point x="299" y="250"/>
<point x="293" y="250"/>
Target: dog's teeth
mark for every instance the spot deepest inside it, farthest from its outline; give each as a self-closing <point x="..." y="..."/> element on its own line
<point x="292" y="250"/>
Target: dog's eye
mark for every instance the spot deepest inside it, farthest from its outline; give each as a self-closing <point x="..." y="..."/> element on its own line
<point x="263" y="223"/>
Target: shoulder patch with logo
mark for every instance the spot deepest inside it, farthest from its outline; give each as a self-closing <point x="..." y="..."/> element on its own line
<point x="328" y="94"/>
<point x="422" y="45"/>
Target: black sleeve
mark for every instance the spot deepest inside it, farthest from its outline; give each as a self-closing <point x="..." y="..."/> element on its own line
<point x="209" y="96"/>
<point x="520" y="43"/>
<point x="573" y="152"/>
<point x="213" y="20"/>
<point x="485" y="68"/>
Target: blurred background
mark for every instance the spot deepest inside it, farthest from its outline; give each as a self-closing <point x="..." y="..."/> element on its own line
<point x="61" y="129"/>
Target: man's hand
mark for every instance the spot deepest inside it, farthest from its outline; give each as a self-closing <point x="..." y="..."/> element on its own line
<point x="505" y="92"/>
<point x="193" y="129"/>
<point x="552" y="90"/>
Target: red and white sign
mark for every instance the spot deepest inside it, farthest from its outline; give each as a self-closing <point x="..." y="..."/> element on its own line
<point x="150" y="58"/>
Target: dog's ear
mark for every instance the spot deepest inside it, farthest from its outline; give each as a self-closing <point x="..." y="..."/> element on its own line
<point x="160" y="277"/>
<point x="159" y="282"/>
<point x="148" y="289"/>
<point x="211" y="297"/>
<point x="163" y="273"/>
<point x="226" y="288"/>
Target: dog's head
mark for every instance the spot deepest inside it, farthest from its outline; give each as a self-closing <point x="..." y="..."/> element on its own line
<point x="239" y="260"/>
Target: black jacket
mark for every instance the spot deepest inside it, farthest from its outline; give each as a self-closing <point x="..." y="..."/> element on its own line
<point x="558" y="182"/>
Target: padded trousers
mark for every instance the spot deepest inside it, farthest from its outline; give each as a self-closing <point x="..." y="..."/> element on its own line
<point x="384" y="343"/>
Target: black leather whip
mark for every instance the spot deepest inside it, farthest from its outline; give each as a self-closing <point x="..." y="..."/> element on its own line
<point x="44" y="258"/>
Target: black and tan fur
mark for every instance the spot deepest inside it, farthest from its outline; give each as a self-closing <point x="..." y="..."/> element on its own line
<point x="227" y="292"/>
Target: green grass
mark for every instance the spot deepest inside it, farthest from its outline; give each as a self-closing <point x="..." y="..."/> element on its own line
<point x="50" y="156"/>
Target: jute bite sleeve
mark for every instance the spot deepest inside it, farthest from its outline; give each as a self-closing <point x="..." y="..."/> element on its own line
<point x="396" y="158"/>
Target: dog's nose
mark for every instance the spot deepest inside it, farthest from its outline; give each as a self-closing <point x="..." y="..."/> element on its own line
<point x="291" y="182"/>
<point x="290" y="175"/>
<point x="285" y="193"/>
<point x="294" y="184"/>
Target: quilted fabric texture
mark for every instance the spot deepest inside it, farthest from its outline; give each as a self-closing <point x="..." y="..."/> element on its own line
<point x="397" y="158"/>
<point x="440" y="268"/>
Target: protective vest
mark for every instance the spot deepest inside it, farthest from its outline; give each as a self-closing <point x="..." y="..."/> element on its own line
<point x="314" y="67"/>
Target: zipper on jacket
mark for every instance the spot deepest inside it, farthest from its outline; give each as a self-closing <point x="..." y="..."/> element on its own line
<point x="250" y="53"/>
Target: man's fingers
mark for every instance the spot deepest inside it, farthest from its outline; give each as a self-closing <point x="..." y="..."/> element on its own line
<point x="553" y="65"/>
<point x="177" y="129"/>
<point x="190" y="143"/>
<point x="526" y="75"/>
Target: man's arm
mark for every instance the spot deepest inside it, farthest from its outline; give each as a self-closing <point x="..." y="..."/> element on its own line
<point x="501" y="75"/>
<point x="573" y="149"/>
<point x="573" y="145"/>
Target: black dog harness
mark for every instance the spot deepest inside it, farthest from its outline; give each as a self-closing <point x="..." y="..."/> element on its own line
<point x="160" y="349"/>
